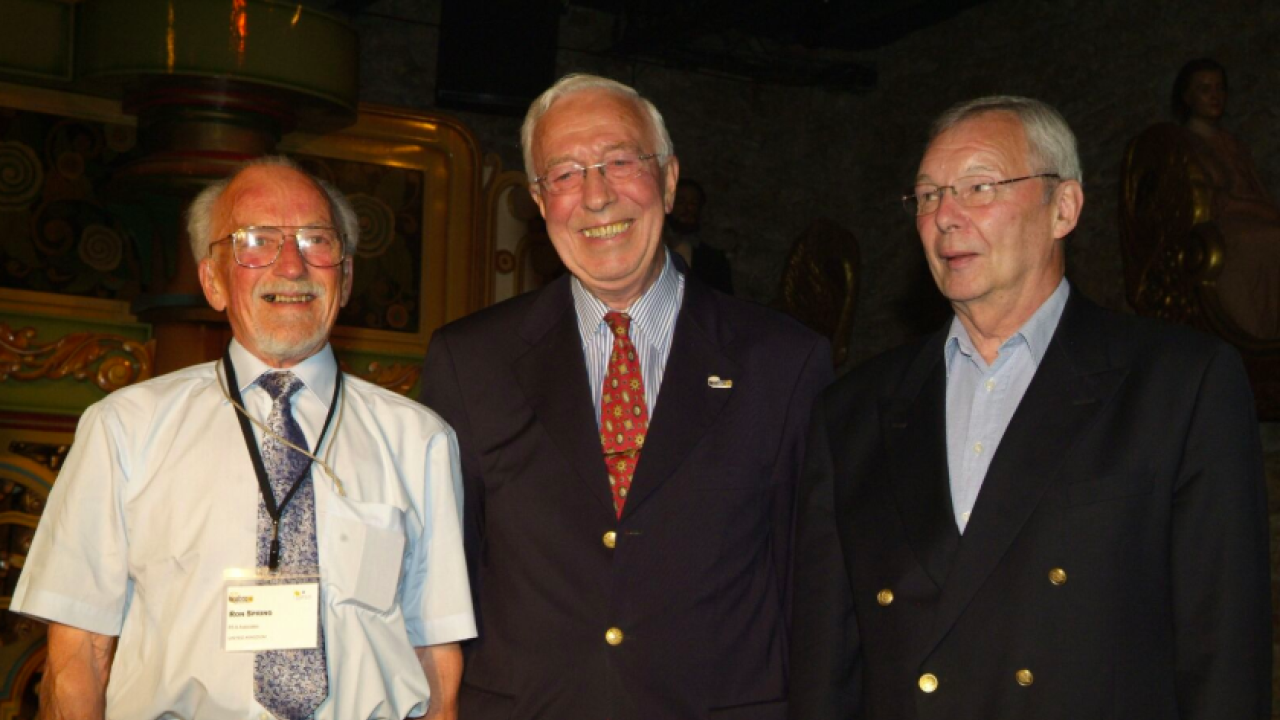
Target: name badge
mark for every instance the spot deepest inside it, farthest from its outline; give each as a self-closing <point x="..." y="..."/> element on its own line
<point x="271" y="617"/>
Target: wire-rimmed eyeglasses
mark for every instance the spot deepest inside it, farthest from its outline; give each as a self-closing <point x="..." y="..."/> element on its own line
<point x="567" y="177"/>
<point x="969" y="192"/>
<point x="258" y="246"/>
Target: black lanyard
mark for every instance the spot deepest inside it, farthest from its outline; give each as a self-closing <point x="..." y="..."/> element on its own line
<point x="255" y="454"/>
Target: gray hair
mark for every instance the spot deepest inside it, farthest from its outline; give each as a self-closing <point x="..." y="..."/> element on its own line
<point x="579" y="82"/>
<point x="1051" y="142"/>
<point x="200" y="212"/>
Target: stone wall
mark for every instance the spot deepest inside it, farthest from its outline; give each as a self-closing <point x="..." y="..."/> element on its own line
<point x="773" y="159"/>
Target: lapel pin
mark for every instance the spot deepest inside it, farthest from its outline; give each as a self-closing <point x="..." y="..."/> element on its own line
<point x="715" y="382"/>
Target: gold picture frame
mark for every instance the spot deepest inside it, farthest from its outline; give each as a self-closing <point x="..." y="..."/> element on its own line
<point x="452" y="273"/>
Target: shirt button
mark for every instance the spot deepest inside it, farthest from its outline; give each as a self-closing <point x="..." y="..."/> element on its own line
<point x="977" y="448"/>
<point x="928" y="682"/>
<point x="610" y="539"/>
<point x="990" y="384"/>
<point x="1058" y="576"/>
<point x="885" y="597"/>
<point x="1024" y="677"/>
<point x="964" y="516"/>
<point x="613" y="636"/>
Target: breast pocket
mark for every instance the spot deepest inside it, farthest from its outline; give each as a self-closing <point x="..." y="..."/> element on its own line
<point x="365" y="543"/>
<point x="730" y="475"/>
<point x="1110" y="487"/>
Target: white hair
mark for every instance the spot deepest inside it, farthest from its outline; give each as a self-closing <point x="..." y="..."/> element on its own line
<point x="1051" y="143"/>
<point x="200" y="212"/>
<point x="579" y="82"/>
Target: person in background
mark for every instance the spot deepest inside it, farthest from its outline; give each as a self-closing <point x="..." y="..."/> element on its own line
<point x="707" y="263"/>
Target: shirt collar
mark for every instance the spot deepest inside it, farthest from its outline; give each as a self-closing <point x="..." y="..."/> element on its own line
<point x="317" y="372"/>
<point x="1036" y="332"/>
<point x="654" y="303"/>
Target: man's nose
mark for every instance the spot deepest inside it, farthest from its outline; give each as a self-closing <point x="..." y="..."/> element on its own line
<point x="290" y="262"/>
<point x="950" y="212"/>
<point x="597" y="191"/>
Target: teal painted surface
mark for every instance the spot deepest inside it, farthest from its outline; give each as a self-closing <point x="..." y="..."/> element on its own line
<point x="284" y="46"/>
<point x="67" y="395"/>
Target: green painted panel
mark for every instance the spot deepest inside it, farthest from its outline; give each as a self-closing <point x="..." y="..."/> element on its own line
<point x="359" y="362"/>
<point x="67" y="395"/>
<point x="35" y="38"/>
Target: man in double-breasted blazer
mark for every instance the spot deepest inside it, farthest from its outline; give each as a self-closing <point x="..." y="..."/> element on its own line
<point x="1045" y="510"/>
<point x="628" y="528"/>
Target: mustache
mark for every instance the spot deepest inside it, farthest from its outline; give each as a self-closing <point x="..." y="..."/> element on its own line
<point x="292" y="287"/>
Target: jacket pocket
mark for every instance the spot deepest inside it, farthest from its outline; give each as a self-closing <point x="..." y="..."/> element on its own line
<point x="480" y="704"/>
<point x="1110" y="487"/>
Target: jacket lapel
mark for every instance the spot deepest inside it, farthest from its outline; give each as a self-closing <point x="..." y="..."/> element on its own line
<point x="913" y="424"/>
<point x="1073" y="382"/>
<point x="687" y="406"/>
<point x="553" y="375"/>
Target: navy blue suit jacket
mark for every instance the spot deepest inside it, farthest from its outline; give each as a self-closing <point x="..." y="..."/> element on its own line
<point x="1115" y="565"/>
<point x="698" y="578"/>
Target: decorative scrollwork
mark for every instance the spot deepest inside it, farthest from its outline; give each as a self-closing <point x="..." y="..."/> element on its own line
<point x="48" y="455"/>
<point x="377" y="224"/>
<point x="101" y="248"/>
<point x="21" y="175"/>
<point x="396" y="377"/>
<point x="111" y="361"/>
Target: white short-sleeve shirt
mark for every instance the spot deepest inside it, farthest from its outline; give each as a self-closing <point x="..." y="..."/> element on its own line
<point x="158" y="498"/>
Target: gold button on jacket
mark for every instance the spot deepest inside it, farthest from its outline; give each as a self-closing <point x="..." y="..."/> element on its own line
<point x="610" y="539"/>
<point x="613" y="636"/>
<point x="928" y="682"/>
<point x="1024" y="677"/>
<point x="1057" y="576"/>
<point x="884" y="597"/>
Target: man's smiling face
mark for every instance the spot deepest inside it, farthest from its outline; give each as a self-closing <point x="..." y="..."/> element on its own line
<point x="608" y="233"/>
<point x="281" y="313"/>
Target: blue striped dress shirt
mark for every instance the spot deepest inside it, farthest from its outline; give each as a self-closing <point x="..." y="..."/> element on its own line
<point x="981" y="398"/>
<point x="653" y="322"/>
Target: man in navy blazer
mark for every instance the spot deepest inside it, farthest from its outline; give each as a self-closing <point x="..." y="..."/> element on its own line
<point x="662" y="594"/>
<point x="1045" y="510"/>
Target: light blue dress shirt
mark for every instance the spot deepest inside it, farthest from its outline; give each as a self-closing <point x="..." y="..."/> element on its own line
<point x="982" y="398"/>
<point x="653" y="324"/>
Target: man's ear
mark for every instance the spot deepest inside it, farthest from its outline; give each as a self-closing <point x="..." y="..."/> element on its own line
<point x="348" y="267"/>
<point x="670" y="175"/>
<point x="1068" y="201"/>
<point x="538" y="199"/>
<point x="211" y="283"/>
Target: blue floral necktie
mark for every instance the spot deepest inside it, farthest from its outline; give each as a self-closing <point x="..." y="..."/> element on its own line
<point x="291" y="684"/>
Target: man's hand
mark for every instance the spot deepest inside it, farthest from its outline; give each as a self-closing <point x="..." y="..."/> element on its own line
<point x="442" y="664"/>
<point x="75" y="674"/>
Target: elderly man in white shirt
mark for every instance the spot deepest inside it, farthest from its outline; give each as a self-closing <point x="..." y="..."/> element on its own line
<point x="260" y="536"/>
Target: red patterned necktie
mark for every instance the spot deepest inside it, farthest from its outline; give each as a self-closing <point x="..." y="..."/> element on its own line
<point x="624" y="417"/>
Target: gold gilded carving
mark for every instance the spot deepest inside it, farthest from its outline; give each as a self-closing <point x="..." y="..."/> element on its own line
<point x="396" y="377"/>
<point x="820" y="283"/>
<point x="1171" y="247"/>
<point x="111" y="361"/>
<point x="49" y="455"/>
